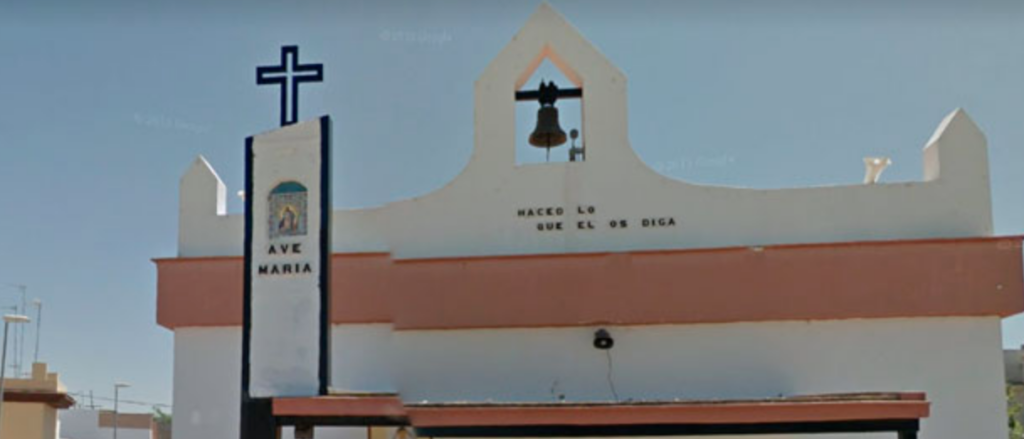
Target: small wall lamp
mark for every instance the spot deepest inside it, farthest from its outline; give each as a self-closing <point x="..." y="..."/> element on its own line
<point x="603" y="340"/>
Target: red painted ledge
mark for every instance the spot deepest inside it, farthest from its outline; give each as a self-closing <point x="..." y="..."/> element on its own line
<point x="57" y="400"/>
<point x="885" y="279"/>
<point x="346" y="406"/>
<point x="822" y="408"/>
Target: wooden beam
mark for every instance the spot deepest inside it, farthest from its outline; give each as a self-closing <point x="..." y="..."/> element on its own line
<point x="563" y="93"/>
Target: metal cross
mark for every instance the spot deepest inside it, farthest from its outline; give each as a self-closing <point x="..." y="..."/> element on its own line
<point x="288" y="75"/>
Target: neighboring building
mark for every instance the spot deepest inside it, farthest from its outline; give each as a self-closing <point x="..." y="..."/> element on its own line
<point x="163" y="429"/>
<point x="490" y="305"/>
<point x="99" y="424"/>
<point x="31" y="404"/>
<point x="1013" y="361"/>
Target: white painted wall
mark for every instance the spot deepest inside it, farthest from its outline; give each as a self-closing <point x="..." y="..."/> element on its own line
<point x="285" y="338"/>
<point x="204" y="228"/>
<point x="362" y="359"/>
<point x="84" y="424"/>
<point x="476" y="213"/>
<point x="79" y="424"/>
<point x="207" y="383"/>
<point x="126" y="433"/>
<point x="487" y="199"/>
<point x="208" y="377"/>
<point x="957" y="361"/>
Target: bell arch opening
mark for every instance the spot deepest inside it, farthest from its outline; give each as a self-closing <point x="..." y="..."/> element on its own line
<point x="549" y="113"/>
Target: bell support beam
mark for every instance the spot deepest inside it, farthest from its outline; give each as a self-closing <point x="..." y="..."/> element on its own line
<point x="563" y="93"/>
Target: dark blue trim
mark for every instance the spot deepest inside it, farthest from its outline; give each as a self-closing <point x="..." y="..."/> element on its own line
<point x="252" y="418"/>
<point x="288" y="187"/>
<point x="258" y="420"/>
<point x="247" y="285"/>
<point x="325" y="254"/>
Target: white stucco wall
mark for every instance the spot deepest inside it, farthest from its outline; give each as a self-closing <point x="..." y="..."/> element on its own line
<point x="208" y="377"/>
<point x="79" y="424"/>
<point x="957" y="361"/>
<point x="286" y="309"/>
<point x="362" y="359"/>
<point x="84" y="424"/>
<point x="477" y="212"/>
<point x="207" y="383"/>
<point x="126" y="433"/>
<point x="488" y="196"/>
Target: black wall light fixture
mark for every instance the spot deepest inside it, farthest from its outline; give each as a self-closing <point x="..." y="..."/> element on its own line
<point x="603" y="340"/>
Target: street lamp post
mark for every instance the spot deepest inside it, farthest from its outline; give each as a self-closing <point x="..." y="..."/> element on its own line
<point x="39" y="326"/>
<point x="117" y="388"/>
<point x="19" y="342"/>
<point x="21" y="331"/>
<point x="8" y="319"/>
<point x="13" y="310"/>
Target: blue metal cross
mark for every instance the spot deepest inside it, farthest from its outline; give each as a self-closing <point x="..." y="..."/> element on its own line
<point x="288" y="76"/>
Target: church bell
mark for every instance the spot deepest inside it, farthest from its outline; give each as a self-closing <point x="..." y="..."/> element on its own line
<point x="548" y="133"/>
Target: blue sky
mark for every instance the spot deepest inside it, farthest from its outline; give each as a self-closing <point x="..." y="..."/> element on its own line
<point x="104" y="104"/>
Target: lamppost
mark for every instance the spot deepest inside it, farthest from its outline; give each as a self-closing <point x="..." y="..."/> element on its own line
<point x="8" y="319"/>
<point x="117" y="387"/>
<point x="39" y="326"/>
<point x="19" y="338"/>
<point x="13" y="310"/>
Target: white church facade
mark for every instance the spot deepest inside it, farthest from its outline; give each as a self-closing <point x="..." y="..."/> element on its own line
<point x="598" y="297"/>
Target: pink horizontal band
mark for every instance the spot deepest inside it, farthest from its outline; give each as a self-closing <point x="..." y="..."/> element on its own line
<point x="886" y="279"/>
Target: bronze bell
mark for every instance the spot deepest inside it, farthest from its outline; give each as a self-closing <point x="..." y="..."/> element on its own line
<point x="548" y="133"/>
